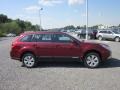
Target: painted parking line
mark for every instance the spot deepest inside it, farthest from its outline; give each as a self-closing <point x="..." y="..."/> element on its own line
<point x="97" y="41"/>
<point x="103" y="41"/>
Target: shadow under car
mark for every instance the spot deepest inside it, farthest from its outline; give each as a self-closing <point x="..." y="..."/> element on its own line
<point x="71" y="63"/>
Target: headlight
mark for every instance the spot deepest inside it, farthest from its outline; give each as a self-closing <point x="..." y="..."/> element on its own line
<point x="105" y="46"/>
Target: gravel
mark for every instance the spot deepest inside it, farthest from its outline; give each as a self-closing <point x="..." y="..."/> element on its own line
<point x="58" y="75"/>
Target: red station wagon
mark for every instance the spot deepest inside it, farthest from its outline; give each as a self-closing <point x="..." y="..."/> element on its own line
<point x="30" y="47"/>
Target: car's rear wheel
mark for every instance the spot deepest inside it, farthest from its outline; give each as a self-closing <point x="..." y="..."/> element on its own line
<point x="100" y="38"/>
<point x="92" y="60"/>
<point x="29" y="60"/>
<point x="117" y="39"/>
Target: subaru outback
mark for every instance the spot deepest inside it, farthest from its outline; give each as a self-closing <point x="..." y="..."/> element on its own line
<point x="29" y="48"/>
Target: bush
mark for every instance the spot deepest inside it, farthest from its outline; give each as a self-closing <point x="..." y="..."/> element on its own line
<point x="2" y="34"/>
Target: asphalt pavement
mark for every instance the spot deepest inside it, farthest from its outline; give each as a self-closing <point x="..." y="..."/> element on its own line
<point x="58" y="75"/>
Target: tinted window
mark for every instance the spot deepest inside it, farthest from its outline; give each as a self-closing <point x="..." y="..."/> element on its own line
<point x="103" y="32"/>
<point x="61" y="38"/>
<point x="43" y="37"/>
<point x="109" y="32"/>
<point x="26" y="38"/>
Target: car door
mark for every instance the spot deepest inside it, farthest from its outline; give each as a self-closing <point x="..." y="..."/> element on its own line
<point x="65" y="46"/>
<point x="109" y="35"/>
<point x="44" y="45"/>
<point x="104" y="34"/>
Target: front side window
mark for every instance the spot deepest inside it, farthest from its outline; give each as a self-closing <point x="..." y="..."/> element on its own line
<point x="103" y="32"/>
<point x="109" y="32"/>
<point x="62" y="38"/>
<point x="116" y="32"/>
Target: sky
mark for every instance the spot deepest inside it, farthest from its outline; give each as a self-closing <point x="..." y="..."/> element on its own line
<point x="60" y="13"/>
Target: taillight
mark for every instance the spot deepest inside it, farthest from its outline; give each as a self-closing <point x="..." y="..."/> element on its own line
<point x="12" y="44"/>
<point x="14" y="41"/>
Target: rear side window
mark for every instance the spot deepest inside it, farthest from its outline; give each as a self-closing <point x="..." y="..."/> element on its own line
<point x="26" y="38"/>
<point x="103" y="32"/>
<point x="46" y="37"/>
<point x="43" y="37"/>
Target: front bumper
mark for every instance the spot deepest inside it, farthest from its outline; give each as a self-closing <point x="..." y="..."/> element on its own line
<point x="106" y="55"/>
<point x="110" y="56"/>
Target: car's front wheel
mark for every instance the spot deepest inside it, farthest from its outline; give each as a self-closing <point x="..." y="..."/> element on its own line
<point x="29" y="60"/>
<point x="92" y="60"/>
<point x="117" y="39"/>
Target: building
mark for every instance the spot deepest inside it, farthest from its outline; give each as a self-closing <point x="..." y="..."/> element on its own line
<point x="102" y="26"/>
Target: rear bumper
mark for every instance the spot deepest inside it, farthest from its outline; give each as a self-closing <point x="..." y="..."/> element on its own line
<point x="14" y="56"/>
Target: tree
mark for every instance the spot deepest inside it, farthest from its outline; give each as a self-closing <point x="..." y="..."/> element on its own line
<point x="3" y="18"/>
<point x="35" y="28"/>
<point x="11" y="27"/>
<point x="17" y="26"/>
<point x="21" y="24"/>
<point x="83" y="27"/>
<point x="95" y="27"/>
<point x="119" y="25"/>
<point x="69" y="27"/>
<point x="78" y="27"/>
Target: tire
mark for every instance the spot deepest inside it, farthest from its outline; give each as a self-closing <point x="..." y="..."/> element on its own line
<point x="100" y="38"/>
<point x="117" y="39"/>
<point x="29" y="60"/>
<point x="92" y="60"/>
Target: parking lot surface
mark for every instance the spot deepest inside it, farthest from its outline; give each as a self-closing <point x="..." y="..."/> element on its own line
<point x="58" y="75"/>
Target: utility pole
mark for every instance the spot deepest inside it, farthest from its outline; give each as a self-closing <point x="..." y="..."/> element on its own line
<point x="86" y="19"/>
<point x="40" y="27"/>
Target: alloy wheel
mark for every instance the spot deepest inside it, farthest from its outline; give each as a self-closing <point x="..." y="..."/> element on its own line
<point x="117" y="39"/>
<point x="29" y="60"/>
<point x="100" y="38"/>
<point x="92" y="60"/>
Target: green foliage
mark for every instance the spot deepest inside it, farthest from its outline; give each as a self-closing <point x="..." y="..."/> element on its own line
<point x="94" y="27"/>
<point x="1" y="34"/>
<point x="78" y="27"/>
<point x="15" y="26"/>
<point x="119" y="25"/>
<point x="3" y="18"/>
<point x="69" y="27"/>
